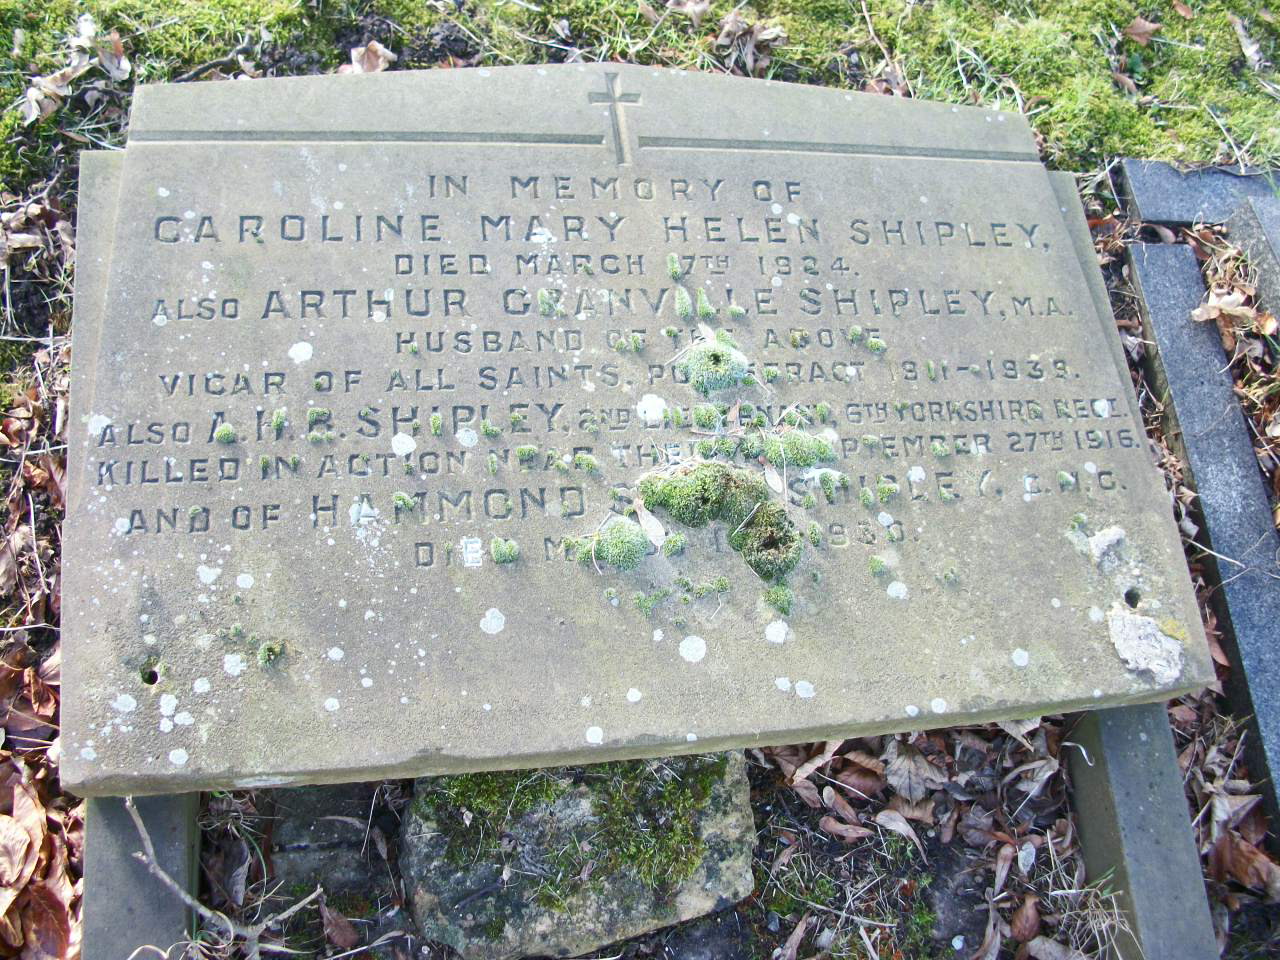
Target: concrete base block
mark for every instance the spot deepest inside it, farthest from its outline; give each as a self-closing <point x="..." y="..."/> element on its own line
<point x="1134" y="824"/>
<point x="125" y="907"/>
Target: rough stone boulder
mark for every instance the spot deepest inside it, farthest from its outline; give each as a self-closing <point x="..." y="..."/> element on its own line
<point x="558" y="862"/>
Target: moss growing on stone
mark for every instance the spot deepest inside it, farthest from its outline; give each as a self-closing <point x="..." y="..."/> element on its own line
<point x="939" y="449"/>
<point x="815" y="534"/>
<point x="622" y="545"/>
<point x="526" y="453"/>
<point x="586" y="462"/>
<point x="269" y="652"/>
<point x="705" y="310"/>
<point x="886" y="489"/>
<point x="646" y="818"/>
<point x="646" y="602"/>
<point x="278" y="421"/>
<point x="706" y="416"/>
<point x="876" y="345"/>
<point x="674" y="544"/>
<point x="437" y="424"/>
<point x="1066" y="481"/>
<point x="548" y="306"/>
<point x="489" y="429"/>
<point x="491" y="464"/>
<point x="714" y="364"/>
<point x="673" y="267"/>
<point x="758" y="526"/>
<point x="737" y="312"/>
<point x="225" y="434"/>
<point x="684" y="305"/>
<point x="854" y="333"/>
<point x="877" y="565"/>
<point x="780" y="598"/>
<point x="795" y="448"/>
<point x="403" y="501"/>
<point x="504" y="551"/>
<point x="317" y="415"/>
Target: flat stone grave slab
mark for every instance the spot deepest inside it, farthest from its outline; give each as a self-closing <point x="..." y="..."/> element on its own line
<point x="387" y="386"/>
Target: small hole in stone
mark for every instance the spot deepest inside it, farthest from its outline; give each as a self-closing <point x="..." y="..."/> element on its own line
<point x="1132" y="596"/>
<point x="150" y="676"/>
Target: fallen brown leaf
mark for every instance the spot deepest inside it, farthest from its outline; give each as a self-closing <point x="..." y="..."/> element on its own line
<point x="1025" y="922"/>
<point x="1183" y="10"/>
<point x="338" y="930"/>
<point x="1141" y="31"/>
<point x="847" y="832"/>
<point x="893" y="820"/>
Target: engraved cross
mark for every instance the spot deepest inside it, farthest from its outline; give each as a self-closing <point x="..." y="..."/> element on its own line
<point x="615" y="100"/>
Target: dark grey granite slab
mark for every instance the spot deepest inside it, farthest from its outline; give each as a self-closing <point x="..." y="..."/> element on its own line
<point x="356" y="329"/>
<point x="1204" y="420"/>
<point x="125" y="907"/>
<point x="1134" y="825"/>
<point x="1255" y="228"/>
<point x="1160" y="193"/>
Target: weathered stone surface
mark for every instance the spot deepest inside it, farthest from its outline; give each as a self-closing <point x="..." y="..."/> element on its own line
<point x="1255" y="228"/>
<point x="497" y="886"/>
<point x="1160" y="193"/>
<point x="126" y="909"/>
<point x="281" y="568"/>
<point x="1134" y="827"/>
<point x="1205" y="424"/>
<point x="321" y="835"/>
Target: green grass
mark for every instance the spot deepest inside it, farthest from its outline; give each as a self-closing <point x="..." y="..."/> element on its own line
<point x="1052" y="59"/>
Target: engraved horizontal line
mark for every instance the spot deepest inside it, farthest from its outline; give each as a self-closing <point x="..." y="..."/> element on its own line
<point x="372" y="136"/>
<point x="850" y="149"/>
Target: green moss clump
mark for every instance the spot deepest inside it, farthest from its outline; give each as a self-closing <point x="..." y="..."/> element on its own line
<point x="403" y="501"/>
<point x="815" y="534"/>
<point x="780" y="598"/>
<point x="854" y="333"/>
<point x="504" y="551"/>
<point x="712" y="365"/>
<point x="225" y="434"/>
<point x="706" y="416"/>
<point x="876" y="564"/>
<point x="795" y="448"/>
<point x="317" y="415"/>
<point x="278" y="421"/>
<point x="705" y="310"/>
<point x="673" y="267"/>
<point x="526" y="453"/>
<point x="876" y="345"/>
<point x="684" y="305"/>
<point x="1066" y="481"/>
<point x="759" y="527"/>
<point x="939" y="449"/>
<point x="269" y="652"/>
<point x="586" y="462"/>
<point x="489" y="429"/>
<point x="886" y="489"/>
<point x="646" y="602"/>
<point x="548" y="304"/>
<point x="674" y="544"/>
<point x="622" y="545"/>
<point x="866" y="498"/>
<point x="437" y="424"/>
<point x="737" y="312"/>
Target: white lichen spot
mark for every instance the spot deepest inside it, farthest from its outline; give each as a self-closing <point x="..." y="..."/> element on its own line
<point x="168" y="704"/>
<point x="201" y="685"/>
<point x="1055" y="603"/>
<point x="1096" y="614"/>
<point x="1143" y="646"/>
<point x="244" y="581"/>
<point x="402" y="444"/>
<point x="331" y="704"/>
<point x="493" y="621"/>
<point x="124" y="703"/>
<point x="912" y="710"/>
<point x="88" y="753"/>
<point x="233" y="664"/>
<point x="804" y="690"/>
<point x="183" y="718"/>
<point x="897" y="590"/>
<point x="691" y="738"/>
<point x="1020" y="657"/>
<point x="884" y="519"/>
<point x="916" y="474"/>
<point x="650" y="409"/>
<point x="162" y="191"/>
<point x="693" y="648"/>
<point x="335" y="653"/>
<point x="634" y="695"/>
<point x="121" y="525"/>
<point x="208" y="574"/>
<point x="366" y="682"/>
<point x="178" y="757"/>
<point x="467" y="437"/>
<point x="777" y="632"/>
<point x="300" y="352"/>
<point x="165" y="724"/>
<point x="658" y="636"/>
<point x="938" y="705"/>
<point x="98" y="423"/>
<point x="782" y="683"/>
<point x="595" y="735"/>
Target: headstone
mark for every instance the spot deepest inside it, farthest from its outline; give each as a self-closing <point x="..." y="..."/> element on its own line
<point x="1255" y="228"/>
<point x="1204" y="422"/>
<point x="1159" y="192"/>
<point x="394" y="380"/>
